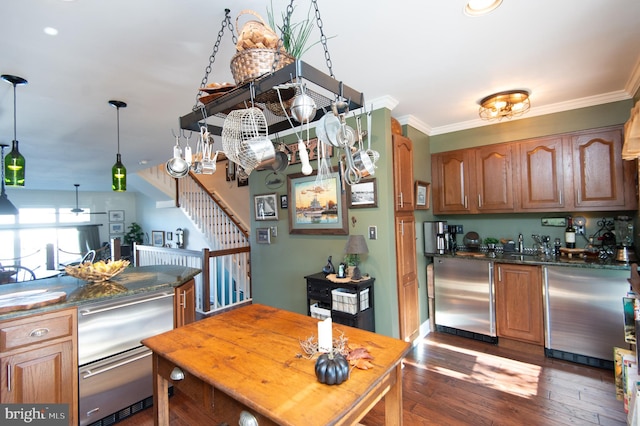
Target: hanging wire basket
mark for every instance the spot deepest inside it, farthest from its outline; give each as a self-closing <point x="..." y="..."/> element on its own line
<point x="245" y="140"/>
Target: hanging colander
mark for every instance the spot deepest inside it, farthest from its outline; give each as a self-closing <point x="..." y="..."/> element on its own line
<point x="245" y="140"/>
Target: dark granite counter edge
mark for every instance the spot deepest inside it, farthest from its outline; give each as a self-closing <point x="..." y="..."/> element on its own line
<point x="166" y="277"/>
<point x="551" y="261"/>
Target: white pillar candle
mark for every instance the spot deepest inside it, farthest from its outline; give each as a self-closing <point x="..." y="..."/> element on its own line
<point x="325" y="337"/>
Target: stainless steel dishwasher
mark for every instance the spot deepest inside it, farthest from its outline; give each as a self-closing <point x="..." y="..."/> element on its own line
<point x="115" y="371"/>
<point x="464" y="298"/>
<point x="584" y="317"/>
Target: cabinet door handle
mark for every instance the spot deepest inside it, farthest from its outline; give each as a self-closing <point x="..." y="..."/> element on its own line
<point x="401" y="203"/>
<point x="560" y="197"/>
<point x="39" y="332"/>
<point x="499" y="274"/>
<point x="465" y="202"/>
<point x="183" y="300"/>
<point x="479" y="201"/>
<point x="8" y="377"/>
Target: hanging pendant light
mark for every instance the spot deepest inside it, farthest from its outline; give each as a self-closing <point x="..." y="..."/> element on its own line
<point x="14" y="163"/>
<point x="118" y="171"/>
<point x="6" y="207"/>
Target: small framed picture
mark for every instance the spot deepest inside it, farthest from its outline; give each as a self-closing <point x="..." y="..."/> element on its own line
<point x="266" y="207"/>
<point x="116" y="215"/>
<point x="116" y="228"/>
<point x="169" y="236"/>
<point x="423" y="193"/>
<point x="263" y="235"/>
<point x="284" y="201"/>
<point x="363" y="194"/>
<point x="157" y="238"/>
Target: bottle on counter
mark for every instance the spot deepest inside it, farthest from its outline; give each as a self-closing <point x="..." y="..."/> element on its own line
<point x="570" y="234"/>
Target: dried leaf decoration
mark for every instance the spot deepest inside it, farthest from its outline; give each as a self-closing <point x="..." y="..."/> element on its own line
<point x="359" y="358"/>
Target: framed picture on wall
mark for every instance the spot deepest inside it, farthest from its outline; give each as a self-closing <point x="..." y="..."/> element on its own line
<point x="157" y="238"/>
<point x="116" y="215"/>
<point x="116" y="228"/>
<point x="316" y="209"/>
<point x="266" y="207"/>
<point x="423" y="193"/>
<point x="363" y="194"/>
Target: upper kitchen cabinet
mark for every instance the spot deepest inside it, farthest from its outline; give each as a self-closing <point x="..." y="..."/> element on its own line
<point x="542" y="174"/>
<point x="476" y="180"/>
<point x="599" y="172"/>
<point x="450" y="173"/>
<point x="579" y="171"/>
<point x="494" y="178"/>
<point x="403" y="173"/>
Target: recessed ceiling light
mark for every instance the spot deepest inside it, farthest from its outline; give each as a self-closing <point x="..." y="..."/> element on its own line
<point x="50" y="31"/>
<point x="481" y="7"/>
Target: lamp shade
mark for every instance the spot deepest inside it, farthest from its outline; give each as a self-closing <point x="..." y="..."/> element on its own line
<point x="356" y="244"/>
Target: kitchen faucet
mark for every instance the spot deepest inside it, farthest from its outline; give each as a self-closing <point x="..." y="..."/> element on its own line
<point x="520" y="244"/>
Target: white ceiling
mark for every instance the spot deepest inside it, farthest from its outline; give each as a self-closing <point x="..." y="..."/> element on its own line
<point x="426" y="56"/>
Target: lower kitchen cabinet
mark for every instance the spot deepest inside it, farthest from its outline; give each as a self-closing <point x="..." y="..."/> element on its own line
<point x="184" y="304"/>
<point x="39" y="360"/>
<point x="349" y="303"/>
<point x="519" y="307"/>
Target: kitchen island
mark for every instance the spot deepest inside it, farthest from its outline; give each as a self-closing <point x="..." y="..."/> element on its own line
<point x="131" y="281"/>
<point x="249" y="359"/>
<point x="50" y="348"/>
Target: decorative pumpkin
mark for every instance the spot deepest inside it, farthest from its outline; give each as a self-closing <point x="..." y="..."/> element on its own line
<point x="332" y="369"/>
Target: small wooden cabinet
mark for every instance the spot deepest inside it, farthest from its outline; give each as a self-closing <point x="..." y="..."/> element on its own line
<point x="184" y="304"/>
<point x="494" y="178"/>
<point x="355" y="308"/>
<point x="39" y="360"/>
<point x="519" y="310"/>
<point x="451" y="183"/>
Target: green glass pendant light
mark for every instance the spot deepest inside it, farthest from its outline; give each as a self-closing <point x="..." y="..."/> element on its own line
<point x="118" y="171"/>
<point x="6" y="206"/>
<point x="14" y="162"/>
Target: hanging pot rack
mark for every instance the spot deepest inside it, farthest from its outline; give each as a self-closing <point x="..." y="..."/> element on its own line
<point x="323" y="88"/>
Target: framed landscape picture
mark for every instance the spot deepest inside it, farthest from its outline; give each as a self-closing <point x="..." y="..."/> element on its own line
<point x="316" y="209"/>
<point x="157" y="238"/>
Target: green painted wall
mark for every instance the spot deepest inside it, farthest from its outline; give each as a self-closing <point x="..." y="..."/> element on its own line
<point x="278" y="269"/>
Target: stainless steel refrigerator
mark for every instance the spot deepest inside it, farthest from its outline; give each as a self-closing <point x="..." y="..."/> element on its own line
<point x="464" y="297"/>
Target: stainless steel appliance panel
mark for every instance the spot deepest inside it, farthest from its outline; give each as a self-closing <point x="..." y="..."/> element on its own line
<point x="103" y="383"/>
<point x="464" y="295"/>
<point x="583" y="310"/>
<point x="107" y="328"/>
<point x="432" y="231"/>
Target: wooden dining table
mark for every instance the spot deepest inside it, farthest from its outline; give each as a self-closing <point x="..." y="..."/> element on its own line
<point x="249" y="361"/>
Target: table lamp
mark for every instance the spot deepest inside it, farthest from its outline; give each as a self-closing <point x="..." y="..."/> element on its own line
<point x="356" y="245"/>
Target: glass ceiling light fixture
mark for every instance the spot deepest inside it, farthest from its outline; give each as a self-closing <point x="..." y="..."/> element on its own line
<point x="118" y="171"/>
<point x="6" y="207"/>
<point x="481" y="7"/>
<point x="14" y="163"/>
<point x="509" y="104"/>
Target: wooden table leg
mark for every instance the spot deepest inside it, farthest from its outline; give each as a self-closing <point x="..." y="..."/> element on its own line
<point x="393" y="400"/>
<point x="160" y="396"/>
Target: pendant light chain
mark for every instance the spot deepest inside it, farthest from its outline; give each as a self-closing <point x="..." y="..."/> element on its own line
<point x="226" y="22"/>
<point x="118" y="126"/>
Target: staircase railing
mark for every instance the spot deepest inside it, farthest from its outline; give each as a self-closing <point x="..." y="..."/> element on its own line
<point x="218" y="224"/>
<point x="225" y="280"/>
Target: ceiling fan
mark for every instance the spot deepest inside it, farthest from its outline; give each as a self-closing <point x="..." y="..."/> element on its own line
<point x="77" y="210"/>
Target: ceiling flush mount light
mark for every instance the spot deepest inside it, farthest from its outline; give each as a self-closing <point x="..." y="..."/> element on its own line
<point x="481" y="7"/>
<point x="118" y="171"/>
<point x="14" y="163"/>
<point x="512" y="103"/>
<point x="6" y="207"/>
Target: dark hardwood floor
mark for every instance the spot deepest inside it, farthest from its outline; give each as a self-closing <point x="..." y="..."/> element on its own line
<point x="450" y="380"/>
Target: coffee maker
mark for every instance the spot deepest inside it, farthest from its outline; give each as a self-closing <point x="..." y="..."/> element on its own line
<point x="625" y="251"/>
<point x="436" y="237"/>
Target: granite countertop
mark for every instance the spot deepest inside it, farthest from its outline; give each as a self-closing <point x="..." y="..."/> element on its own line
<point x="517" y="258"/>
<point x="131" y="281"/>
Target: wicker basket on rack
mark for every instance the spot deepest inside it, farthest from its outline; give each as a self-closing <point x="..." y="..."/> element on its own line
<point x="249" y="64"/>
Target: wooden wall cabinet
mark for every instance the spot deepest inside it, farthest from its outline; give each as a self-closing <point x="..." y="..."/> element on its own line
<point x="184" y="304"/>
<point x="403" y="186"/>
<point x="39" y="360"/>
<point x="519" y="310"/>
<point x="476" y="180"/>
<point x="579" y="171"/>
